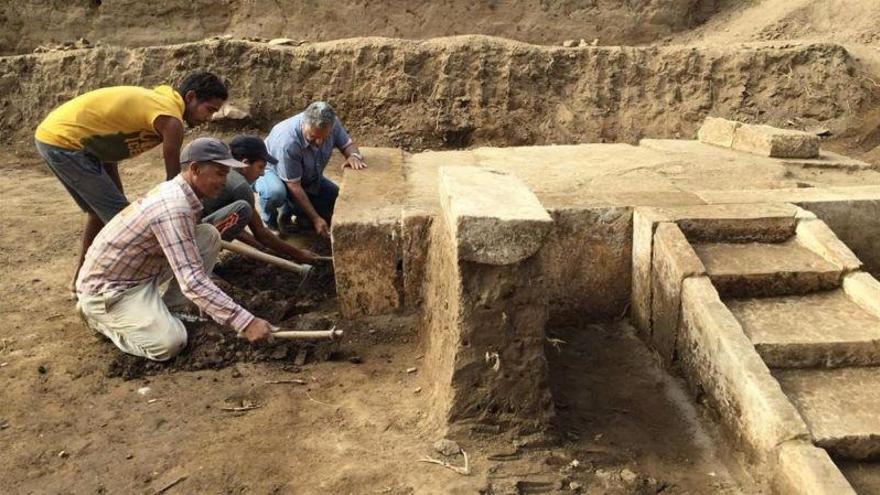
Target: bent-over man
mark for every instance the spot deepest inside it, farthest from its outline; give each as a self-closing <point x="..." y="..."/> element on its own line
<point x="296" y="185"/>
<point x="152" y="240"/>
<point x="233" y="209"/>
<point x="83" y="140"/>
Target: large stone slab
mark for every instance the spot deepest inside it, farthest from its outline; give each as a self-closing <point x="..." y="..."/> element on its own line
<point x="483" y="319"/>
<point x="719" y="361"/>
<point x="864" y="290"/>
<point x="366" y="235"/>
<point x="804" y="469"/>
<point x="673" y="261"/>
<point x="817" y="237"/>
<point x="494" y="217"/>
<point x="770" y="141"/>
<point x="822" y="329"/>
<point x="764" y="269"/>
<point x="772" y="222"/>
<point x="717" y="131"/>
<point x="840" y="406"/>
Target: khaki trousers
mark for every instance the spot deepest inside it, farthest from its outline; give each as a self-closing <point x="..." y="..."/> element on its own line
<point x="137" y="320"/>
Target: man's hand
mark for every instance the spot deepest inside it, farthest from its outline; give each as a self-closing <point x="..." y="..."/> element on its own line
<point x="258" y="330"/>
<point x="321" y="227"/>
<point x="354" y="162"/>
<point x="305" y="256"/>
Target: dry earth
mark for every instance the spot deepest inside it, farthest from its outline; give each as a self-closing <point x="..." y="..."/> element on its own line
<point x="70" y="421"/>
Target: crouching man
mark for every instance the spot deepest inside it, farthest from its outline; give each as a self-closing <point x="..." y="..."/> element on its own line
<point x="296" y="185"/>
<point x="152" y="240"/>
<point x="233" y="209"/>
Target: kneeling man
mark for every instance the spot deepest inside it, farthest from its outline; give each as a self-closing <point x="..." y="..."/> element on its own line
<point x="233" y="209"/>
<point x="303" y="145"/>
<point x="149" y="242"/>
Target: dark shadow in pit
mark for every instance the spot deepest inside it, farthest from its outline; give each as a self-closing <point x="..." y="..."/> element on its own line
<point x="276" y="295"/>
<point x="618" y="410"/>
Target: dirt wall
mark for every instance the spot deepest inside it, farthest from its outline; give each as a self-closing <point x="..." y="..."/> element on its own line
<point x="132" y="23"/>
<point x="464" y="91"/>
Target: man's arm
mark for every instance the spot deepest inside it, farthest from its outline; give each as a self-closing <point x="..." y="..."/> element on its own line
<point x="267" y="238"/>
<point x="302" y="199"/>
<point x="171" y="130"/>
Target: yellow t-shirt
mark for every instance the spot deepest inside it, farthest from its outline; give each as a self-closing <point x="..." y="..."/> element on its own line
<point x="111" y="123"/>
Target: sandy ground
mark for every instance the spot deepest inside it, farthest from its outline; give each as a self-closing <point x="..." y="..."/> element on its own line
<point x="71" y="424"/>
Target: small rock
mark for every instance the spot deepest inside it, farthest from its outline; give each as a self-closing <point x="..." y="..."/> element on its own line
<point x="447" y="447"/>
<point x="417" y="390"/>
<point x="4" y="364"/>
<point x="582" y="43"/>
<point x="129" y="456"/>
<point x="230" y="112"/>
<point x="355" y="360"/>
<point x="42" y="369"/>
<point x="143" y="390"/>
<point x="575" y="463"/>
<point x="569" y="43"/>
<point x="628" y="476"/>
<point x="595" y="42"/>
<point x="575" y="486"/>
<point x="411" y="370"/>
<point x="63" y="454"/>
<point x="284" y="42"/>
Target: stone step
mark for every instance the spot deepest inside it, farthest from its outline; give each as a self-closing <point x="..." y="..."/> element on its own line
<point x="825" y="329"/>
<point x="840" y="406"/>
<point x="763" y="269"/>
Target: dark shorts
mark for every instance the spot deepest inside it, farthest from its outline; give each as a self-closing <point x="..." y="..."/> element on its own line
<point x="86" y="179"/>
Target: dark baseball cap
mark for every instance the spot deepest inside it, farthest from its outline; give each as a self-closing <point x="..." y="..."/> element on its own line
<point x="251" y="147"/>
<point x="209" y="150"/>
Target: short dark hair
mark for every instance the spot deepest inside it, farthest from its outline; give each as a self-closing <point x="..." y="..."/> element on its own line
<point x="205" y="85"/>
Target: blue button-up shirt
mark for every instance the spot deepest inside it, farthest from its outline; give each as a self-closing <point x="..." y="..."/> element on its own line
<point x="298" y="160"/>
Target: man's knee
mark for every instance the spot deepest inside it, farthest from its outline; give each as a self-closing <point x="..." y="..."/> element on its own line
<point x="171" y="339"/>
<point x="207" y="237"/>
<point x="271" y="189"/>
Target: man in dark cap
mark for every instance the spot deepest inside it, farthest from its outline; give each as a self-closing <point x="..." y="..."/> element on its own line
<point x="233" y="209"/>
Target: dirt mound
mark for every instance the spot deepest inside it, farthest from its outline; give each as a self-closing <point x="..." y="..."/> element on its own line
<point x="840" y="21"/>
<point x="464" y="91"/>
<point x="133" y="23"/>
<point x="276" y="295"/>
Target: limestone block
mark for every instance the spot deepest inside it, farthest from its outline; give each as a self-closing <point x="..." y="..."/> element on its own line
<point x="495" y="218"/>
<point x="673" y="260"/>
<point x="717" y="358"/>
<point x="773" y="142"/>
<point x="366" y="236"/>
<point x="717" y="131"/>
<point x="864" y="290"/>
<point x="484" y="320"/>
<point x="735" y="222"/>
<point x="854" y="216"/>
<point x="803" y="469"/>
<point x="644" y="221"/>
<point x="816" y="236"/>
<point x="839" y="406"/>
<point x="823" y="329"/>
<point x="767" y="269"/>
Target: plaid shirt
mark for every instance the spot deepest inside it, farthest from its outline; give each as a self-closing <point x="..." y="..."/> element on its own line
<point x="139" y="243"/>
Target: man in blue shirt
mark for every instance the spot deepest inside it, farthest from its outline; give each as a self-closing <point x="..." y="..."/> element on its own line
<point x="296" y="184"/>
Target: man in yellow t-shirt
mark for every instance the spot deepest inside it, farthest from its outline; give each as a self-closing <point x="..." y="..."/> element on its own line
<point x="83" y="140"/>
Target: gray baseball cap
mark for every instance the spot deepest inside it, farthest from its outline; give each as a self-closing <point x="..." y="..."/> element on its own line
<point x="209" y="150"/>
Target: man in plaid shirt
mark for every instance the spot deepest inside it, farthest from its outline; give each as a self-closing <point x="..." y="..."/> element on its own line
<point x="150" y="241"/>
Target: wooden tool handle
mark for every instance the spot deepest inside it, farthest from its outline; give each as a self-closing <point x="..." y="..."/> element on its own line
<point x="245" y="250"/>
